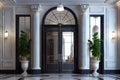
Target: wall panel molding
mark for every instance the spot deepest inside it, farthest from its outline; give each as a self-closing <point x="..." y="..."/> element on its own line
<point x="8" y="48"/>
<point x="96" y="9"/>
<point x="110" y="44"/>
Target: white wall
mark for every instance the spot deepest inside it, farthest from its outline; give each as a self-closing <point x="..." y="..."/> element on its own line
<point x="7" y="58"/>
<point x="111" y="47"/>
<point x="118" y="37"/>
<point x="111" y="54"/>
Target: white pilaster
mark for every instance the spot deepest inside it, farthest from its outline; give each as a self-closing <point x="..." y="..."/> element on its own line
<point x="83" y="40"/>
<point x="35" y="32"/>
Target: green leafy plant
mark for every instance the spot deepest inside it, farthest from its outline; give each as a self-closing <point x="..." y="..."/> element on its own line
<point x="23" y="46"/>
<point x="95" y="46"/>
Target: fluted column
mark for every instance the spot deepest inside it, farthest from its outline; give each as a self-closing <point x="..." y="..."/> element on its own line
<point x="83" y="39"/>
<point x="35" y="35"/>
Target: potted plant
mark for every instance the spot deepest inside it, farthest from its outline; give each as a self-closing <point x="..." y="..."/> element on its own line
<point x="95" y="47"/>
<point x="24" y="52"/>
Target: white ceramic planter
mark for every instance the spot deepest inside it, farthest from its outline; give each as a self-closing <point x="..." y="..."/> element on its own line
<point x="95" y="66"/>
<point x="24" y="66"/>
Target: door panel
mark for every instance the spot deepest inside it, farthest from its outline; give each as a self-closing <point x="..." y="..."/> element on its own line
<point x="67" y="51"/>
<point x="51" y="51"/>
<point x="59" y="51"/>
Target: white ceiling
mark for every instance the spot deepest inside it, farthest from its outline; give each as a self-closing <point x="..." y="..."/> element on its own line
<point x="65" y="2"/>
<point x="54" y="2"/>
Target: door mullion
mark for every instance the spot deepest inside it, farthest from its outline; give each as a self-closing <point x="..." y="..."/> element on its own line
<point x="60" y="50"/>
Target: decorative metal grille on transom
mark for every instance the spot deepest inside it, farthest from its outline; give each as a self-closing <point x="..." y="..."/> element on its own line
<point x="55" y="17"/>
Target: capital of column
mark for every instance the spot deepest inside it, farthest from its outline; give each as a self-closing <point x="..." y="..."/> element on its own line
<point x="36" y="7"/>
<point x="84" y="7"/>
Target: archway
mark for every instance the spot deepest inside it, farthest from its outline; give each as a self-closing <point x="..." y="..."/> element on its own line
<point x="59" y="41"/>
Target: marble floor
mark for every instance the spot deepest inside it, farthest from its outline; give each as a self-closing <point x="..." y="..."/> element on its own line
<point x="60" y="77"/>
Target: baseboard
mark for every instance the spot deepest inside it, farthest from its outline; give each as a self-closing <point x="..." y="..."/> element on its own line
<point x="7" y="72"/>
<point x="111" y="71"/>
<point x="34" y="71"/>
<point x="83" y="71"/>
<point x="87" y="71"/>
<point x="30" y="71"/>
<point x="80" y="71"/>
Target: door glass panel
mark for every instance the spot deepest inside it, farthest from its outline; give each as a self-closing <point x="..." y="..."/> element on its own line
<point x="95" y="24"/>
<point x="52" y="51"/>
<point x="68" y="50"/>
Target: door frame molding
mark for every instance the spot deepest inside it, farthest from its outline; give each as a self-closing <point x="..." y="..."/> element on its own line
<point x="101" y="66"/>
<point x="18" y="66"/>
<point x="44" y="27"/>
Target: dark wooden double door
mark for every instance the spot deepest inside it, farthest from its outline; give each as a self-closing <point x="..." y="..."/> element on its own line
<point x="59" y="49"/>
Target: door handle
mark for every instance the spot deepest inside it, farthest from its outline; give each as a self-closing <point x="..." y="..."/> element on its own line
<point x="59" y="58"/>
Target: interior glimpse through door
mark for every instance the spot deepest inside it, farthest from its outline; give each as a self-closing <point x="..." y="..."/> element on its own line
<point x="51" y="51"/>
<point x="67" y="51"/>
<point x="59" y="51"/>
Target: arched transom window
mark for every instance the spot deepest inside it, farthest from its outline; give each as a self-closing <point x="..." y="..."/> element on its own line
<point x="55" y="17"/>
